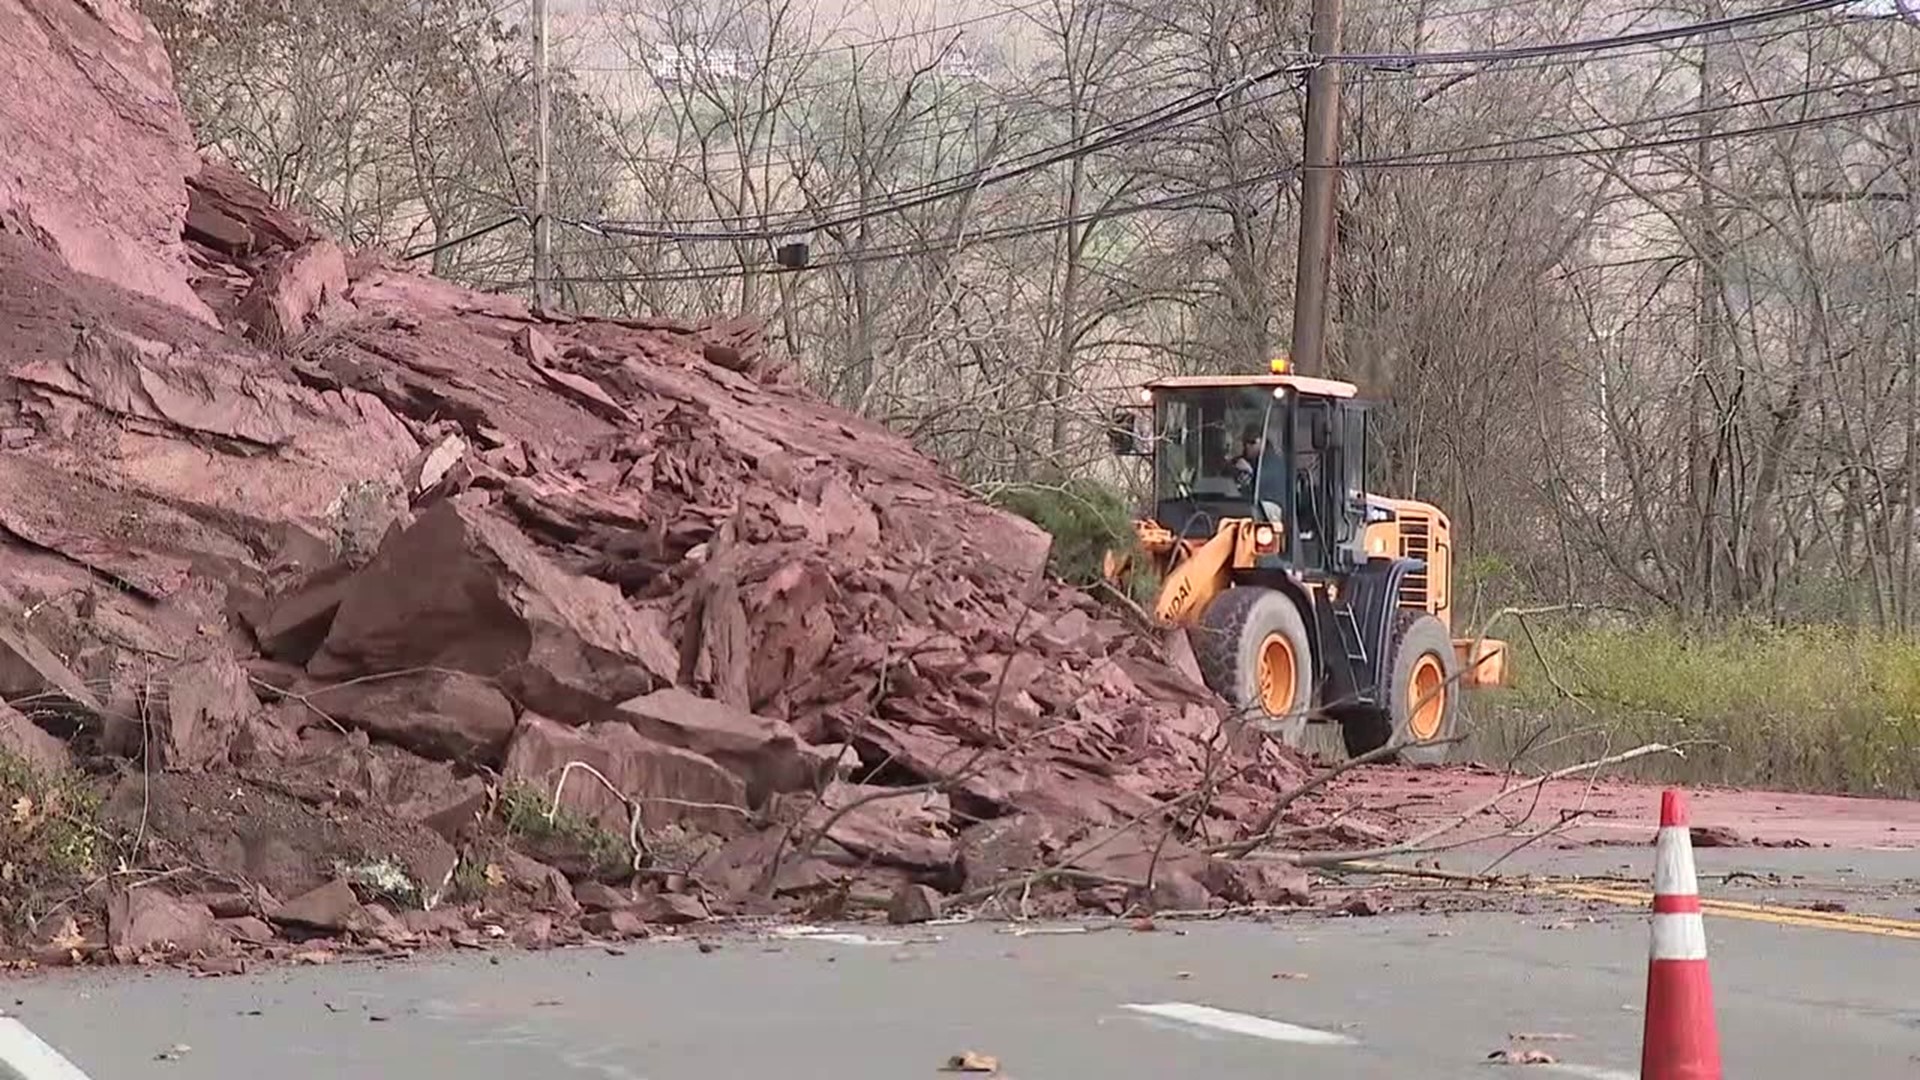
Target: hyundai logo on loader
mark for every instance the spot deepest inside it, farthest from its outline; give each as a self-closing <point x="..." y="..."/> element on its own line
<point x="1307" y="597"/>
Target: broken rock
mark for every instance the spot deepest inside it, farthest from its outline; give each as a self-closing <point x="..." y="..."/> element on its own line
<point x="1174" y="889"/>
<point x="331" y="908"/>
<point x="146" y="919"/>
<point x="887" y="825"/>
<point x="672" y="909"/>
<point x="599" y="896"/>
<point x="676" y="785"/>
<point x="207" y="699"/>
<point x="463" y="589"/>
<point x="291" y="626"/>
<point x="547" y="887"/>
<point x="248" y="928"/>
<point x="765" y="753"/>
<point x="913" y="903"/>
<point x="26" y="740"/>
<point x="619" y="923"/>
<point x="1257" y="881"/>
<point x="294" y="290"/>
<point x="28" y="668"/>
<point x="993" y="851"/>
<point x="447" y="715"/>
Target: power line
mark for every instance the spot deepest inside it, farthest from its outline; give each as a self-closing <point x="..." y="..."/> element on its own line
<point x="1461" y="156"/>
<point x="779" y="154"/>
<point x="972" y="181"/>
<point x="1607" y="43"/>
<point x="697" y="163"/>
<point x="466" y="237"/>
<point x="894" y="202"/>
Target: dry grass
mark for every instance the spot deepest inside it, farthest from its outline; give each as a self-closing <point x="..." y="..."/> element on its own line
<point x="50" y="839"/>
<point x="1805" y="708"/>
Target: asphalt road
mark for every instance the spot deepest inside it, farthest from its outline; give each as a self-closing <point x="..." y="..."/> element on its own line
<point x="1427" y="996"/>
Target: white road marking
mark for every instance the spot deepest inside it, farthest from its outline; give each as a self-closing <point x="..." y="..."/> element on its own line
<point x="837" y="937"/>
<point x="1241" y="1023"/>
<point x="25" y="1056"/>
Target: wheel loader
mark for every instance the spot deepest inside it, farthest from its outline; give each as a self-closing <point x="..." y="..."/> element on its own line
<point x="1307" y="598"/>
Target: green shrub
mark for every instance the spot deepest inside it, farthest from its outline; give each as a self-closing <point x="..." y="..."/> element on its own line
<point x="566" y="837"/>
<point x="1805" y="708"/>
<point x="1085" y="518"/>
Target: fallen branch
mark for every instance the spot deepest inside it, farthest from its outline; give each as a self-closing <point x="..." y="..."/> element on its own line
<point x="635" y="839"/>
<point x="1264" y="832"/>
<point x="1419" y="842"/>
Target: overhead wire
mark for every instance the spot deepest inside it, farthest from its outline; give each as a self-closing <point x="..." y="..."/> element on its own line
<point x="781" y="154"/>
<point x="1460" y="156"/>
<point x="896" y="201"/>
<point x="699" y="162"/>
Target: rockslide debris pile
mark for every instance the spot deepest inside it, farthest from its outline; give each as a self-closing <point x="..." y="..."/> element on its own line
<point x="340" y="563"/>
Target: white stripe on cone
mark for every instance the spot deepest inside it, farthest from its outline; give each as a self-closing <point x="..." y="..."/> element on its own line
<point x="1679" y="936"/>
<point x="1673" y="863"/>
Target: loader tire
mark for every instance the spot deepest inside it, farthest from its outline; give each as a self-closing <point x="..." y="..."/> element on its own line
<point x="1420" y="699"/>
<point x="1254" y="651"/>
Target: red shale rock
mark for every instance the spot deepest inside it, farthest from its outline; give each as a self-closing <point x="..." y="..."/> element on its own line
<point x="147" y="919"/>
<point x="438" y="714"/>
<point x="97" y="147"/>
<point x="447" y="536"/>
<point x="672" y="785"/>
<point x="462" y="589"/>
<point x="26" y="740"/>
<point x="767" y="754"/>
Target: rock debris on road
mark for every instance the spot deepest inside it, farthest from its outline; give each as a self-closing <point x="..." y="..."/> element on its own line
<point x="1387" y="998"/>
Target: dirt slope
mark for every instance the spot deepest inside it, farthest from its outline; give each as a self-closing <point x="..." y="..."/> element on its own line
<point x="345" y="588"/>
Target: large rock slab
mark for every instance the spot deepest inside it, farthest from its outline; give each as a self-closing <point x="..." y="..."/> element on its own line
<point x="764" y="752"/>
<point x="206" y="700"/>
<point x="25" y="740"/>
<point x="672" y="785"/>
<point x="445" y="715"/>
<point x="96" y="145"/>
<point x="890" y="826"/>
<point x="147" y="919"/>
<point x="462" y="589"/>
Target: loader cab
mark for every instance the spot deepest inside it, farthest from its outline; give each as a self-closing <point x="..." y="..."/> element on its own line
<point x="1285" y="450"/>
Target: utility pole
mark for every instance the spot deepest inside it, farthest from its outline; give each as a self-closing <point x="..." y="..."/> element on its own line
<point x="543" y="113"/>
<point x="1318" y="185"/>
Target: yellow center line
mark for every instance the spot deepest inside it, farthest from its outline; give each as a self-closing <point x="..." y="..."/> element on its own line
<point x="1740" y="909"/>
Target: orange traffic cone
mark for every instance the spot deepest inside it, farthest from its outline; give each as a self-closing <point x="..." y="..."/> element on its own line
<point x="1681" y="1040"/>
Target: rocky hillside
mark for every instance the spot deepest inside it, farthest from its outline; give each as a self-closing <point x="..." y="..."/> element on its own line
<point x="379" y="606"/>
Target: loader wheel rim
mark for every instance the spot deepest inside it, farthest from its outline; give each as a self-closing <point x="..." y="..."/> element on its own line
<point x="1427" y="695"/>
<point x="1276" y="675"/>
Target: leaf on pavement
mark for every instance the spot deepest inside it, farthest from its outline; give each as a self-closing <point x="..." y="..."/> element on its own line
<point x="1297" y="975"/>
<point x="1540" y="1036"/>
<point x="1522" y="1057"/>
<point x="969" y="1061"/>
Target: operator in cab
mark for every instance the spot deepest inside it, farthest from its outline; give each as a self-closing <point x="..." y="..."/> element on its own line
<point x="1256" y="454"/>
<point x="1256" y="458"/>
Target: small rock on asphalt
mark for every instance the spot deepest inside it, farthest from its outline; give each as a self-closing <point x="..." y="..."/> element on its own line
<point x="913" y="903"/>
